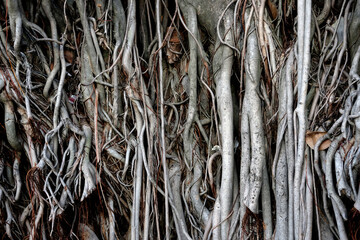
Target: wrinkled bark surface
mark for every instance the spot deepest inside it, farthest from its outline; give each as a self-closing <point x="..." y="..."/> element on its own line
<point x="179" y="119"/>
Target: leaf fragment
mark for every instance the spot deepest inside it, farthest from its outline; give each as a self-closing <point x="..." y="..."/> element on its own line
<point x="312" y="137"/>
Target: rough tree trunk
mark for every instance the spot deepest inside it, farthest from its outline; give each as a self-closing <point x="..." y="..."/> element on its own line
<point x="179" y="119"/>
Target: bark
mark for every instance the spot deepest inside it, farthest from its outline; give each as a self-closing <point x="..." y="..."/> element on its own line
<point x="179" y="119"/>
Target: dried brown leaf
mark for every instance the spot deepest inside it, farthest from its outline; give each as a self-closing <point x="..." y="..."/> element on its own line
<point x="173" y="51"/>
<point x="312" y="137"/>
<point x="69" y="56"/>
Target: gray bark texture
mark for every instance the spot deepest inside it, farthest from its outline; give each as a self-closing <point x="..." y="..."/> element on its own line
<point x="179" y="119"/>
